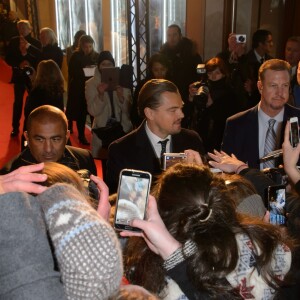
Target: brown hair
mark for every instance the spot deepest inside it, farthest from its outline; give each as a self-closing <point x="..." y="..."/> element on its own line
<point x="58" y="173"/>
<point x="49" y="77"/>
<point x="214" y="63"/>
<point x="187" y="194"/>
<point x="275" y="65"/>
<point x="149" y="96"/>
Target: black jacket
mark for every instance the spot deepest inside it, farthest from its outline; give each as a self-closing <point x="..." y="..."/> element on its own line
<point x="14" y="57"/>
<point x="74" y="158"/>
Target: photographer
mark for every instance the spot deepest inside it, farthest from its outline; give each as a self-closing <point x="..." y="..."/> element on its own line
<point x="21" y="62"/>
<point x="214" y="101"/>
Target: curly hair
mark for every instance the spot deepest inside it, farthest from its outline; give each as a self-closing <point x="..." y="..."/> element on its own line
<point x="186" y="194"/>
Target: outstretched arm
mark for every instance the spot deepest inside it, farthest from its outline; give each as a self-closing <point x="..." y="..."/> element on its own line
<point x="24" y="179"/>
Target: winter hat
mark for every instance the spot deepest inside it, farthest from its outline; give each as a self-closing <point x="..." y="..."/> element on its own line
<point x="26" y="261"/>
<point x="252" y="205"/>
<point x="105" y="55"/>
<point x="86" y="246"/>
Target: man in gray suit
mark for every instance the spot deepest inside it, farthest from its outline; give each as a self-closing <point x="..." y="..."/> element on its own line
<point x="161" y="106"/>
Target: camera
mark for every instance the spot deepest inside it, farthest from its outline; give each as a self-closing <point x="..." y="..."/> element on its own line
<point x="201" y="97"/>
<point x="27" y="71"/>
<point x="89" y="184"/>
<point x="201" y="69"/>
<point x="240" y="38"/>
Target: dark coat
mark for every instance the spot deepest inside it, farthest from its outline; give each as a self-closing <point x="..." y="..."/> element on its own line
<point x="76" y="104"/>
<point x="48" y="52"/>
<point x="183" y="61"/>
<point x="74" y="158"/>
<point x="134" y="151"/>
<point x="210" y="121"/>
<point x="241" y="134"/>
<point x="252" y="66"/>
<point x="38" y="97"/>
<point x="14" y="57"/>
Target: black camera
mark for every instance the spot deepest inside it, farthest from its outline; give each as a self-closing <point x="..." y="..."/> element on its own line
<point x="89" y="184"/>
<point x="201" y="97"/>
<point x="27" y="71"/>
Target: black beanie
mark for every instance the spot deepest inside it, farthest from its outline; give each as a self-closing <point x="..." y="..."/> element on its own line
<point x="105" y="55"/>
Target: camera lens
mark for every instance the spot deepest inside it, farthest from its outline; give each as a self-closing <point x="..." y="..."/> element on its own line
<point x="241" y="39"/>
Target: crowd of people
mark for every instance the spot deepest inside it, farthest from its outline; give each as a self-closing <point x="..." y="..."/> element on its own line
<point x="207" y="231"/>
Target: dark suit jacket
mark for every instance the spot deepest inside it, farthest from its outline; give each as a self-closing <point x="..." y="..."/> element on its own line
<point x="134" y="151"/>
<point x="74" y="158"/>
<point x="241" y="134"/>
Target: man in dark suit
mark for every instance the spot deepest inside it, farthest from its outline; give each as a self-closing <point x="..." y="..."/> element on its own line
<point x="246" y="132"/>
<point x="262" y="44"/>
<point x="19" y="59"/>
<point x="47" y="134"/>
<point x="161" y="105"/>
<point x="292" y="56"/>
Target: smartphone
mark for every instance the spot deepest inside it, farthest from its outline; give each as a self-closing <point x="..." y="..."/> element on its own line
<point x="240" y="38"/>
<point x="276" y="204"/>
<point x="294" y="131"/>
<point x="170" y="159"/>
<point x="111" y="76"/>
<point x="132" y="198"/>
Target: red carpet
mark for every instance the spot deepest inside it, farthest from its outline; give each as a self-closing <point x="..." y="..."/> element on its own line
<point x="9" y="147"/>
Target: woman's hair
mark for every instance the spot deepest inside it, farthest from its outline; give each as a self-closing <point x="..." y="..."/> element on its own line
<point x="77" y="37"/>
<point x="58" y="173"/>
<point x="51" y="35"/>
<point x="49" y="77"/>
<point x="214" y="63"/>
<point x="196" y="205"/>
<point x="85" y="39"/>
<point x="239" y="187"/>
<point x="158" y="58"/>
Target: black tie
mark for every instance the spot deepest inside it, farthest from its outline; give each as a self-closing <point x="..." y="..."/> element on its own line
<point x="262" y="60"/>
<point x="163" y="149"/>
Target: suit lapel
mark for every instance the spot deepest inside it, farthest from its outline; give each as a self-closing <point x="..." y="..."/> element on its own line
<point x="146" y="154"/>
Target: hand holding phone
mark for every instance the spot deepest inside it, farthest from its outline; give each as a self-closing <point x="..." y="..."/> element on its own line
<point x="294" y="132"/>
<point x="276" y="204"/>
<point x="170" y="159"/>
<point x="132" y="198"/>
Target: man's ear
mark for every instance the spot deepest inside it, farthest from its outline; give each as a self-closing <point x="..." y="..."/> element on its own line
<point x="26" y="136"/>
<point x="148" y="113"/>
<point x="68" y="135"/>
<point x="259" y="86"/>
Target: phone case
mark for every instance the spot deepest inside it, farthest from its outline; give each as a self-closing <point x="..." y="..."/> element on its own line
<point x="132" y="199"/>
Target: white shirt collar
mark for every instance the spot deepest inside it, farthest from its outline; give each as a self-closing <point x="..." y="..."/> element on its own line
<point x="154" y="139"/>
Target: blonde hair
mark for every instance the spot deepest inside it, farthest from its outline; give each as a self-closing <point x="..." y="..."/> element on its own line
<point x="51" y="34"/>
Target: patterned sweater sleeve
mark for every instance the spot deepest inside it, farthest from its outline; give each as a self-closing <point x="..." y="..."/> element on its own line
<point x="86" y="247"/>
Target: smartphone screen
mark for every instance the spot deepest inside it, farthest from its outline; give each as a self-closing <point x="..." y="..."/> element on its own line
<point x="132" y="199"/>
<point x="170" y="159"/>
<point x="294" y="132"/>
<point x="276" y="204"/>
